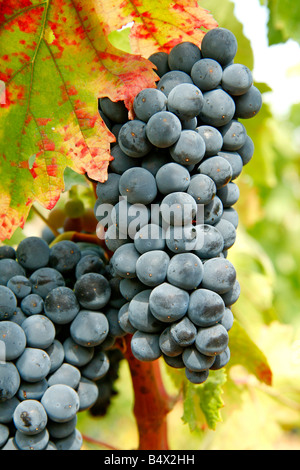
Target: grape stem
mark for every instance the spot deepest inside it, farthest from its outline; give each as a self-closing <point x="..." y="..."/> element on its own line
<point x="152" y="402"/>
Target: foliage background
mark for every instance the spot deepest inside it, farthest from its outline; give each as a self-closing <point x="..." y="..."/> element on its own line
<point x="267" y="258"/>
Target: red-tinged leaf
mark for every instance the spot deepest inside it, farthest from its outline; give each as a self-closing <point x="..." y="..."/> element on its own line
<point x="55" y="61"/>
<point x="159" y="24"/>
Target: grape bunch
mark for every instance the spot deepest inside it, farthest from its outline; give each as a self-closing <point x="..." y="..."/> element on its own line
<point x="55" y="339"/>
<point x="167" y="206"/>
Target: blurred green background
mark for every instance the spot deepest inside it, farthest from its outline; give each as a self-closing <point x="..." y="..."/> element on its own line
<point x="266" y="254"/>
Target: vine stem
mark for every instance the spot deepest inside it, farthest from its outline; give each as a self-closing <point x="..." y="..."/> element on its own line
<point x="152" y="402"/>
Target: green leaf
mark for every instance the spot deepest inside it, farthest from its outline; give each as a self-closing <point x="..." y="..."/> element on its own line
<point x="283" y="21"/>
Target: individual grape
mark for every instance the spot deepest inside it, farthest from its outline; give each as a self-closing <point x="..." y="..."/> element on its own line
<point x="8" y="303"/>
<point x="163" y="129"/>
<point x="206" y="307"/>
<point x="20" y="285"/>
<point x="108" y="192"/>
<point x="138" y="186"/>
<point x="189" y="124"/>
<point x="56" y="217"/>
<point x="248" y="104"/>
<point x="175" y="362"/>
<point x="13" y="338"/>
<point x="140" y="316"/>
<point x="114" y="239"/>
<point x="7" y="251"/>
<point x="183" y="56"/>
<point x="171" y="79"/>
<point x="66" y="374"/>
<point x="89" y="328"/>
<point x="32" y="391"/>
<point x="235" y="161"/>
<point x="178" y="209"/>
<point x="123" y="319"/>
<point x="61" y="430"/>
<point x="129" y="218"/>
<point x="202" y="188"/>
<point x="145" y="346"/>
<point x="116" y="111"/>
<point x="227" y="319"/>
<point x="218" y="108"/>
<point x="185" y="101"/>
<point x="116" y="299"/>
<point x="212" y="138"/>
<point x="155" y="160"/>
<point x="75" y="354"/>
<point x="189" y="148"/>
<point x="4" y="435"/>
<point x="33" y="253"/>
<point x="30" y="417"/>
<point x="168" y="303"/>
<point x="219" y="44"/>
<point x="32" y="304"/>
<point x="172" y="177"/>
<point x="74" y="208"/>
<point x="168" y="346"/>
<point x="18" y="316"/>
<point x="121" y="161"/>
<point x="232" y="295"/>
<point x="148" y="102"/>
<point x="230" y="214"/>
<point x="10" y="445"/>
<point x="124" y="261"/>
<point x="210" y="241"/>
<point x="130" y="287"/>
<point x="43" y="280"/>
<point x="227" y="231"/>
<point x="133" y="139"/>
<point x="234" y="135"/>
<point x="185" y="270"/>
<point x="39" y="330"/>
<point x="115" y="330"/>
<point x="89" y="264"/>
<point x="212" y="340"/>
<point x="183" y="332"/>
<point x="7" y="408"/>
<point x="64" y="256"/>
<point x="207" y="74"/>
<point x="61" y="403"/>
<point x="229" y="194"/>
<point x="33" y="365"/>
<point x="181" y="239"/>
<point x="247" y="150"/>
<point x="88" y="393"/>
<point x="150" y="237"/>
<point x="196" y="377"/>
<point x="152" y="266"/>
<point x="219" y="275"/>
<point x="221" y="360"/>
<point x="218" y="169"/>
<point x="9" y="381"/>
<point x="107" y="121"/>
<point x="92" y="291"/>
<point x="8" y="269"/>
<point x="213" y="211"/>
<point x="36" y="442"/>
<point x="195" y="361"/>
<point x="160" y="60"/>
<point x="236" y="79"/>
<point x="72" y="442"/>
<point x="97" y="367"/>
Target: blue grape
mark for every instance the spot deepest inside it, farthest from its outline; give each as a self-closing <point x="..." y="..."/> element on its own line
<point x="66" y="374"/>
<point x="189" y="148"/>
<point x="219" y="44"/>
<point x="219" y="275"/>
<point x="178" y="208"/>
<point x="61" y="430"/>
<point x="108" y="192"/>
<point x="7" y="251"/>
<point x="152" y="266"/>
<point x="195" y="361"/>
<point x="7" y="408"/>
<point x="20" y="285"/>
<point x="234" y="135"/>
<point x="148" y="102"/>
<point x="73" y="442"/>
<point x="172" y="177"/>
<point x="138" y="186"/>
<point x="196" y="377"/>
<point x="9" y="381"/>
<point x="89" y="264"/>
<point x="32" y="391"/>
<point x="163" y="129"/>
<point x="43" y="280"/>
<point x="212" y="340"/>
<point x="4" y="435"/>
<point x="218" y="169"/>
<point x="218" y="108"/>
<point x="114" y="239"/>
<point x="39" y="330"/>
<point x="230" y="214"/>
<point x="183" y="332"/>
<point x="150" y="237"/>
<point x="32" y="304"/>
<point x="168" y="346"/>
<point x="185" y="270"/>
<point x="133" y="139"/>
<point x="61" y="403"/>
<point x="207" y="74"/>
<point x="221" y="360"/>
<point x="212" y="211"/>
<point x="168" y="303"/>
<point x="155" y="160"/>
<point x="64" y="256"/>
<point x="61" y="305"/>
<point x="77" y="355"/>
<point x="235" y="161"/>
<point x="227" y="319"/>
<point x="145" y="346"/>
<point x="140" y="315"/>
<point x="210" y="242"/>
<point x="8" y="303"/>
<point x="236" y="79"/>
<point x="8" y="269"/>
<point x="229" y="194"/>
<point x="89" y="328"/>
<point x="232" y="295"/>
<point x="30" y="417"/>
<point x="171" y="79"/>
<point x="183" y="56"/>
<point x="160" y="60"/>
<point x="185" y="101"/>
<point x="97" y="367"/>
<point x="181" y="239"/>
<point x="129" y="218"/>
<point x="121" y="161"/>
<point x="227" y="231"/>
<point x="33" y="253"/>
<point x="116" y="111"/>
<point x="124" y="261"/>
<point x="13" y="337"/>
<point x="36" y="442"/>
<point x="112" y="315"/>
<point x="206" y="307"/>
<point x="123" y="319"/>
<point x="88" y="393"/>
<point x="93" y="291"/>
<point x="175" y="362"/>
<point x="33" y="365"/>
<point x="212" y="138"/>
<point x="247" y="150"/>
<point x="202" y="188"/>
<point x="248" y="104"/>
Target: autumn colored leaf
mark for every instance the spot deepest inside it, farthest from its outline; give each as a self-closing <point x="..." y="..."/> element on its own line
<point x="55" y="62"/>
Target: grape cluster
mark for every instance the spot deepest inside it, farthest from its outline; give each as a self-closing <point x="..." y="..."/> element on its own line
<point x="167" y="207"/>
<point x="55" y="338"/>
